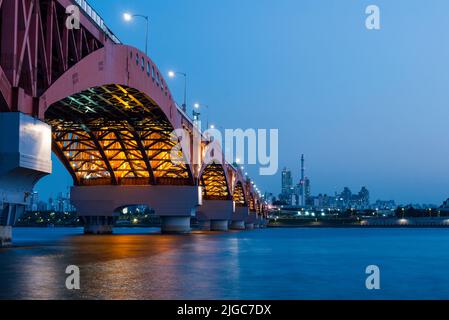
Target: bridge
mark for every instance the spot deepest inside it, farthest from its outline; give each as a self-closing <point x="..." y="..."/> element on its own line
<point x="105" y="110"/>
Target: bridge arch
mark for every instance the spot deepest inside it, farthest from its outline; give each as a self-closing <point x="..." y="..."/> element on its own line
<point x="215" y="182"/>
<point x="239" y="195"/>
<point x="115" y="126"/>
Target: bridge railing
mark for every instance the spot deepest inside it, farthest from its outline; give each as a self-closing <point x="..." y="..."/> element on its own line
<point x="96" y="18"/>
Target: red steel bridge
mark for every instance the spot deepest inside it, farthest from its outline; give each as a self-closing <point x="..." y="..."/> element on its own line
<point x="105" y="110"/>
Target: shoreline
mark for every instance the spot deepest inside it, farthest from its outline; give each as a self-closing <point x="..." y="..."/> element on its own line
<point x="433" y="222"/>
<point x="357" y="226"/>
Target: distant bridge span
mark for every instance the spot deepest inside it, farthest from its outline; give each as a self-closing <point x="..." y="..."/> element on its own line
<point x="106" y="111"/>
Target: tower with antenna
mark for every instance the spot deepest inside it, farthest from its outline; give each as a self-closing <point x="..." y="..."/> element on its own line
<point x="302" y="167"/>
<point x="302" y="182"/>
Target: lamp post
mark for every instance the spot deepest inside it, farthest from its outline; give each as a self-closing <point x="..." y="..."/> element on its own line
<point x="129" y="17"/>
<point x="172" y="74"/>
<point x="196" y="115"/>
<point x="198" y="106"/>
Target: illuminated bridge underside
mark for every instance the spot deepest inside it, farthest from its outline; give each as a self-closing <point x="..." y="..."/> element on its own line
<point x="115" y="135"/>
<point x="213" y="181"/>
<point x="239" y="196"/>
<point x="252" y="206"/>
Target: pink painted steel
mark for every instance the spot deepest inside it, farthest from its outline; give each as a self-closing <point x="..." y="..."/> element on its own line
<point x="43" y="62"/>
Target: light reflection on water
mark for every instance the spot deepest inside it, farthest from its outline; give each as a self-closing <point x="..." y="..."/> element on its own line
<point x="260" y="264"/>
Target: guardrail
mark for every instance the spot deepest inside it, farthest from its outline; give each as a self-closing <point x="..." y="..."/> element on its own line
<point x="96" y="18"/>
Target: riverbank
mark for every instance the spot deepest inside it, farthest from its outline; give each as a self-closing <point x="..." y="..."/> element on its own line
<point x="361" y="223"/>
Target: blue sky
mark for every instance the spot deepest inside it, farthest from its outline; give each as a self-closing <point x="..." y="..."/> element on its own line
<point x="366" y="107"/>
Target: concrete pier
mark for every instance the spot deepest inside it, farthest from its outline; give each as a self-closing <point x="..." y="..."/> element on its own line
<point x="239" y="217"/>
<point x="5" y="236"/>
<point x="25" y="158"/>
<point x="175" y="225"/>
<point x="251" y="221"/>
<point x="204" y="225"/>
<point x="98" y="225"/>
<point x="238" y="225"/>
<point x="219" y="225"/>
<point x="216" y="212"/>
<point x="249" y="226"/>
<point x="174" y="204"/>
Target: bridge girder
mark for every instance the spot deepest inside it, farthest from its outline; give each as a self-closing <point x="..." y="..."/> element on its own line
<point x="37" y="48"/>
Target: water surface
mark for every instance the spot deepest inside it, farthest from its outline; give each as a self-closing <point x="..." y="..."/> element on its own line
<point x="259" y="264"/>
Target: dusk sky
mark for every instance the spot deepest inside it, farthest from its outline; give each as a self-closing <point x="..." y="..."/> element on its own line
<point x="367" y="108"/>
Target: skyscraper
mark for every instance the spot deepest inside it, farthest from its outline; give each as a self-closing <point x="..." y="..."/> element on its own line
<point x="287" y="182"/>
<point x="304" y="186"/>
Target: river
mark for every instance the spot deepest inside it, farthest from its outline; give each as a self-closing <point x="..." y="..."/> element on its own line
<point x="261" y="264"/>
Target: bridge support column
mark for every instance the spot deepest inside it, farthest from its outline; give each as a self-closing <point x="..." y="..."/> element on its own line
<point x="98" y="225"/>
<point x="250" y="221"/>
<point x="219" y="225"/>
<point x="5" y="236"/>
<point x="25" y="157"/>
<point x="174" y="204"/>
<point x="218" y="212"/>
<point x="204" y="225"/>
<point x="249" y="226"/>
<point x="238" y="225"/>
<point x="175" y="225"/>
<point x="239" y="217"/>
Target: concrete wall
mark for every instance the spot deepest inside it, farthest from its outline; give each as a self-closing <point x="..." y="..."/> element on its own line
<point x="241" y="214"/>
<point x="165" y="200"/>
<point x="25" y="155"/>
<point x="216" y="210"/>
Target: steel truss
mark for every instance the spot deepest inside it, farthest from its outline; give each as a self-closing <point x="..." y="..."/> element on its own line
<point x="115" y="135"/>
<point x="214" y="183"/>
<point x="239" y="195"/>
<point x="37" y="48"/>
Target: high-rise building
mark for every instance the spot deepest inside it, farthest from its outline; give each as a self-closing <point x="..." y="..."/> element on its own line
<point x="364" y="198"/>
<point x="348" y="200"/>
<point x="307" y="192"/>
<point x="304" y="190"/>
<point x="287" y="183"/>
<point x="34" y="202"/>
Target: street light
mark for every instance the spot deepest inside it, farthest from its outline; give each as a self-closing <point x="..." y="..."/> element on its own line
<point x="198" y="106"/>
<point x="196" y="114"/>
<point x="172" y="74"/>
<point x="128" y="17"/>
